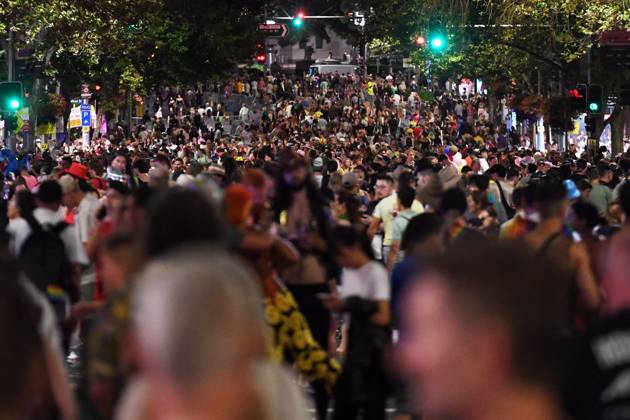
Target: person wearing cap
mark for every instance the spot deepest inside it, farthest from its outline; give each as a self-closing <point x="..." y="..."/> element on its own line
<point x="80" y="198"/>
<point x="318" y="170"/>
<point x="448" y="174"/>
<point x="350" y="182"/>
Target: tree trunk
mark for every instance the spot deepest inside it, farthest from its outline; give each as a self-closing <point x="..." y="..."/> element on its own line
<point x="37" y="90"/>
<point x="616" y="131"/>
<point x="492" y="106"/>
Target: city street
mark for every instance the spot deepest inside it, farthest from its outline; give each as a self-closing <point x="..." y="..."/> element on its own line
<point x="316" y="210"/>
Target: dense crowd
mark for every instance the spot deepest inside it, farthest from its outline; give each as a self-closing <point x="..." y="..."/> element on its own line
<point x="367" y="239"/>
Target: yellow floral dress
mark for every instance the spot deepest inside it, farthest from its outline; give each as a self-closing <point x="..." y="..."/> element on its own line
<point x="293" y="341"/>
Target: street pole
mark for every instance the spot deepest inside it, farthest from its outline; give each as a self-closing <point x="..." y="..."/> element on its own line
<point x="10" y="139"/>
<point x="10" y="58"/>
<point x="129" y="119"/>
<point x="365" y="58"/>
<point x="588" y="66"/>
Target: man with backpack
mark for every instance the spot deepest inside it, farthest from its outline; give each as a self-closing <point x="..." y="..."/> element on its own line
<point x="406" y="197"/>
<point x="49" y="250"/>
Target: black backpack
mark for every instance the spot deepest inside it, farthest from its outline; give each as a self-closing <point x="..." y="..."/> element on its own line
<point x="43" y="259"/>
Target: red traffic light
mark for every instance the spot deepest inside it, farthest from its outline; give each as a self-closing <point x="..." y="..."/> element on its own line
<point x="420" y="40"/>
<point x="260" y="58"/>
<point x="300" y="15"/>
<point x="97" y="88"/>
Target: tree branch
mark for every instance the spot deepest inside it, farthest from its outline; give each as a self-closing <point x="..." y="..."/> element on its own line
<point x="528" y="51"/>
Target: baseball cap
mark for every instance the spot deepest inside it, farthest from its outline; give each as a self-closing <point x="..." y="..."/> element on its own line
<point x="349" y="180"/>
<point x="572" y="190"/>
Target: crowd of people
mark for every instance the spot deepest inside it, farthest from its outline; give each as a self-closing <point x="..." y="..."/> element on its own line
<point x="366" y="239"/>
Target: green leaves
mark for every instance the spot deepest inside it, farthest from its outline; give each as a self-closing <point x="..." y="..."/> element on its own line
<point x="133" y="42"/>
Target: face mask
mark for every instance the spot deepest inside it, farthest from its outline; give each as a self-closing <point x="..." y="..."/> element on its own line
<point x="534" y="217"/>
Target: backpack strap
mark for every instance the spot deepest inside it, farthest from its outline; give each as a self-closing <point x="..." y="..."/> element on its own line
<point x="33" y="223"/>
<point x="545" y="246"/>
<point x="506" y="205"/>
<point x="59" y="227"/>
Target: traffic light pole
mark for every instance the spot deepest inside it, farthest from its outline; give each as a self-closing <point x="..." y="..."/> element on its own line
<point x="309" y="17"/>
<point x="8" y="135"/>
<point x="10" y="57"/>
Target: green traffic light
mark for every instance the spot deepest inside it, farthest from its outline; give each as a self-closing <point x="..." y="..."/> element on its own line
<point x="297" y="22"/>
<point x="14" y="104"/>
<point x="593" y="106"/>
<point x="437" y="43"/>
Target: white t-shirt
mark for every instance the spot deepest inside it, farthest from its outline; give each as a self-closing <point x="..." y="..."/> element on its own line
<point x="368" y="282"/>
<point x="484" y="164"/>
<point x="85" y="218"/>
<point x="20" y="230"/>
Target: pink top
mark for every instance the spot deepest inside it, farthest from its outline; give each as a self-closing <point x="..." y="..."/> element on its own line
<point x="31" y="182"/>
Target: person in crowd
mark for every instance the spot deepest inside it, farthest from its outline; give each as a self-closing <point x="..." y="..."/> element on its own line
<point x="454" y="205"/>
<point x="179" y="216"/>
<point x="292" y="339"/>
<point x="549" y="239"/>
<point x="601" y="194"/>
<point x="522" y="222"/>
<point x="595" y="386"/>
<point x="272" y="185"/>
<point x="304" y="220"/>
<point x="109" y="363"/>
<point x="406" y="197"/>
<point x="423" y="239"/>
<point x="365" y="296"/>
<point x="82" y="200"/>
<point x="482" y="183"/>
<point x="34" y="378"/>
<point x="474" y="345"/>
<point x="385" y="212"/>
<point x="110" y="221"/>
<point x="498" y="176"/>
<point x="346" y="208"/>
<point x="50" y="253"/>
<point x="117" y="169"/>
<point x="481" y="214"/>
<point x="21" y="205"/>
<point x="197" y="373"/>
